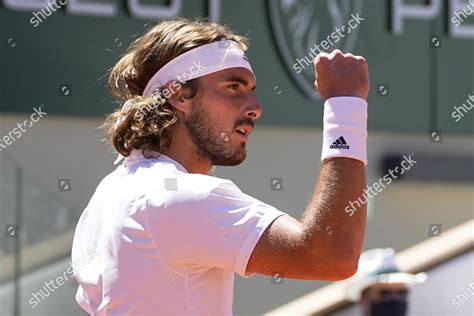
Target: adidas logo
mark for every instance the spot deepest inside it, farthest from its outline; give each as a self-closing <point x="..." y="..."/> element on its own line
<point x="245" y="57"/>
<point x="340" y="143"/>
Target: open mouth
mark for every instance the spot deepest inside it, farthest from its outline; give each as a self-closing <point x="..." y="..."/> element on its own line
<point x="244" y="130"/>
<point x="241" y="131"/>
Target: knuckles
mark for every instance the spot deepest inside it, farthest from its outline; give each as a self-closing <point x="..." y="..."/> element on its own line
<point x="341" y="74"/>
<point x="337" y="56"/>
<point x="339" y="62"/>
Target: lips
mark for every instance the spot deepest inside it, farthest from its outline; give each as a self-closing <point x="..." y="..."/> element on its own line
<point x="244" y="130"/>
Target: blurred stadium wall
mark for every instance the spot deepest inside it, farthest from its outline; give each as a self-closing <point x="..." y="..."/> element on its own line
<point x="421" y="69"/>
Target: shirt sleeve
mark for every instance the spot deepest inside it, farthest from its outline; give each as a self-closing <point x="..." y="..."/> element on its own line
<point x="209" y="223"/>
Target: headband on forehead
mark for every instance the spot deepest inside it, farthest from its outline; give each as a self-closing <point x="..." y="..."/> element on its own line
<point x="198" y="62"/>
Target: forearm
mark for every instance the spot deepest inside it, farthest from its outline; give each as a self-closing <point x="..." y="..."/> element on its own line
<point x="331" y="235"/>
<point x="329" y="231"/>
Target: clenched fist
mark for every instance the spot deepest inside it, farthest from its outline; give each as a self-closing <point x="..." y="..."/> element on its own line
<point x="339" y="74"/>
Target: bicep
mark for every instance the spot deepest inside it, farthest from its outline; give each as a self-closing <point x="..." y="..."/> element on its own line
<point x="281" y="250"/>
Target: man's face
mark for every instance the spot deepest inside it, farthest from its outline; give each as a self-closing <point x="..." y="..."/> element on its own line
<point x="222" y="116"/>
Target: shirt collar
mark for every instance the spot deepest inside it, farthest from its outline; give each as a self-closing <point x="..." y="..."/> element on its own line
<point x="136" y="156"/>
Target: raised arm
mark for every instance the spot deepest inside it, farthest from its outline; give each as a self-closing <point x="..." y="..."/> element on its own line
<point x="325" y="244"/>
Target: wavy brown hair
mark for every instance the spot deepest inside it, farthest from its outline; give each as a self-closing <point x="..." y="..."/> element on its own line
<point x="149" y="122"/>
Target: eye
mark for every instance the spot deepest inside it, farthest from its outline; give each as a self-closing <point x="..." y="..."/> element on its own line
<point x="234" y="86"/>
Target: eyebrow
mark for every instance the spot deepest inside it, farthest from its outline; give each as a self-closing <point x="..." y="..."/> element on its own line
<point x="239" y="80"/>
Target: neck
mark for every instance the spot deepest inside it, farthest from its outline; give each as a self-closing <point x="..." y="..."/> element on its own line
<point x="184" y="151"/>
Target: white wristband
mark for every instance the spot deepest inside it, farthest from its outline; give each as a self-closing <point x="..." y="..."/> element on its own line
<point x="345" y="128"/>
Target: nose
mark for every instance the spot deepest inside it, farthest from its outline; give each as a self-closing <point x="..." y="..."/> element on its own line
<point x="254" y="111"/>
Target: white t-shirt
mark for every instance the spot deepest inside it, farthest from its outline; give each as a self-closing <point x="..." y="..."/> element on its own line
<point x="157" y="240"/>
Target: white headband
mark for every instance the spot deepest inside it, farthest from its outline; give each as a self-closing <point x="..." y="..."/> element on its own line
<point x="198" y="62"/>
<point x="195" y="63"/>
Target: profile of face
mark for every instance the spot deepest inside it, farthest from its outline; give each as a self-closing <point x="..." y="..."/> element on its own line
<point x="222" y="116"/>
<point x="385" y="300"/>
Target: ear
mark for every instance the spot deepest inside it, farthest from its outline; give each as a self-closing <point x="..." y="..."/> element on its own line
<point x="173" y="92"/>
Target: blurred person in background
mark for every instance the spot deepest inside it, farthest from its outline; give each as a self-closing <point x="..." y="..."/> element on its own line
<point x="379" y="287"/>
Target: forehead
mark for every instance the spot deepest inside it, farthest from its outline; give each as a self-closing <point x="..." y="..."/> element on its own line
<point x="231" y="74"/>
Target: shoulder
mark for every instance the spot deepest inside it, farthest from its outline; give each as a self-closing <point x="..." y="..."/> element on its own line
<point x="205" y="183"/>
<point x="183" y="189"/>
<point x="198" y="186"/>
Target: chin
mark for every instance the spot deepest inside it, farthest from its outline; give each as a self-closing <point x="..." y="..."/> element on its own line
<point x="234" y="159"/>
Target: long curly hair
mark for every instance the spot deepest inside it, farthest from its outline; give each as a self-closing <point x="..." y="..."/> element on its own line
<point x="149" y="122"/>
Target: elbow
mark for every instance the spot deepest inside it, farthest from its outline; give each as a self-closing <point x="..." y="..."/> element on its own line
<point x="343" y="267"/>
<point x="346" y="261"/>
<point x="345" y="270"/>
<point x="334" y="263"/>
<point x="332" y="269"/>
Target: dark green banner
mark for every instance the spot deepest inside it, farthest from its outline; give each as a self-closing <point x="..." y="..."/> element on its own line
<point x="420" y="55"/>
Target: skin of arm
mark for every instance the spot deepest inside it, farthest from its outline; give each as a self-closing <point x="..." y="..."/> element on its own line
<point x="325" y="244"/>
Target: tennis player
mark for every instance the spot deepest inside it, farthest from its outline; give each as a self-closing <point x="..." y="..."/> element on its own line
<point x="166" y="236"/>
